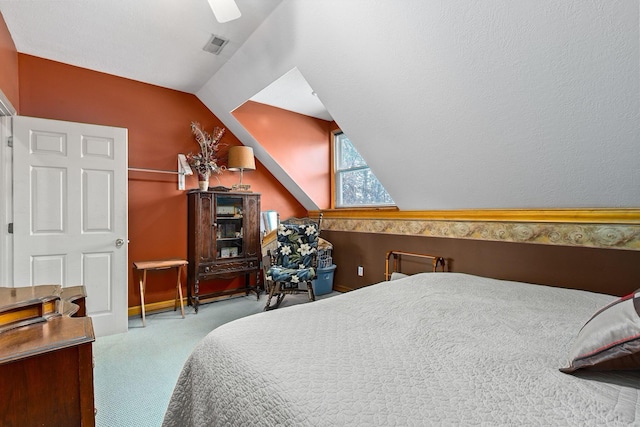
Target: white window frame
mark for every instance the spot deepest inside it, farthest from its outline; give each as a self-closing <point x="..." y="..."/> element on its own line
<point x="338" y="172"/>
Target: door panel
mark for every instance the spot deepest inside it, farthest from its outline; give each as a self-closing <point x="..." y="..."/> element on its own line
<point x="97" y="269"/>
<point x="97" y="197"/>
<point x="70" y="208"/>
<point x="48" y="200"/>
<point x="48" y="269"/>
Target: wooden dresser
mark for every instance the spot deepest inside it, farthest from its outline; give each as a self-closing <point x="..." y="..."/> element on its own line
<point x="46" y="361"/>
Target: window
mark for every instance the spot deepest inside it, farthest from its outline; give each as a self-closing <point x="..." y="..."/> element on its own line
<point x="355" y="184"/>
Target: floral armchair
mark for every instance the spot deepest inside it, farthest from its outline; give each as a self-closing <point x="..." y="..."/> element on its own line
<point x="295" y="261"/>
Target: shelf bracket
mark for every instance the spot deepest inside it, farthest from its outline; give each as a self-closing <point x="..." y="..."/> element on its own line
<point x="183" y="169"/>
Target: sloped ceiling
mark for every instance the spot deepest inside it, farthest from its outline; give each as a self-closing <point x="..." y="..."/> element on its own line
<point x="292" y="92"/>
<point x="463" y="105"/>
<point x="455" y="105"/>
<point x="154" y="41"/>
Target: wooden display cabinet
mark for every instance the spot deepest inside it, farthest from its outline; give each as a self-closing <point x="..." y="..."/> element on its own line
<point x="223" y="240"/>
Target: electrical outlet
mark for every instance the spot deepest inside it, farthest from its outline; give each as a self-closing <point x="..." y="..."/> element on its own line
<point x="360" y="270"/>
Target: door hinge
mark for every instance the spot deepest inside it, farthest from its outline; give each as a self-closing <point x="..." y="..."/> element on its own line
<point x="10" y="228"/>
<point x="10" y="141"/>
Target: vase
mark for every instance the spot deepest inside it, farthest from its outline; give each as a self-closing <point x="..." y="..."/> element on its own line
<point x="203" y="181"/>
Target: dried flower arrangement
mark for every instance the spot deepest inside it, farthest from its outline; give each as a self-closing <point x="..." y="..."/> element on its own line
<point x="206" y="161"/>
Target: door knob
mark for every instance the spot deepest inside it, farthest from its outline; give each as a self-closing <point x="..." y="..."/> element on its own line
<point x="119" y="242"/>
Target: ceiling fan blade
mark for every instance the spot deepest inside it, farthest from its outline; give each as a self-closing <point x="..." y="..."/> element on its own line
<point x="225" y="10"/>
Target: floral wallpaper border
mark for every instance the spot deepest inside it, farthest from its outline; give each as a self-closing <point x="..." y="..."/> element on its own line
<point x="612" y="236"/>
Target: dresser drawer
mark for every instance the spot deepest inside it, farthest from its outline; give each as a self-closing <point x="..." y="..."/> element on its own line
<point x="228" y="267"/>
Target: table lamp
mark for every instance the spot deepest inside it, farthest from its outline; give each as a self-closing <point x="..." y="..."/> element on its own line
<point x="241" y="158"/>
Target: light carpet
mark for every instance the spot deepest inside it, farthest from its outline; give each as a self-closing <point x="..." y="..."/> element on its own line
<point x="135" y="372"/>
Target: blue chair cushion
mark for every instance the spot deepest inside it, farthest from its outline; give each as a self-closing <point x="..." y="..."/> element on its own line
<point x="295" y="276"/>
<point x="297" y="248"/>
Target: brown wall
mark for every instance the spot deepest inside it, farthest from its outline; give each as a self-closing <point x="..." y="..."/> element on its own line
<point x="158" y="121"/>
<point x="8" y="65"/>
<point x="608" y="271"/>
<point x="300" y="144"/>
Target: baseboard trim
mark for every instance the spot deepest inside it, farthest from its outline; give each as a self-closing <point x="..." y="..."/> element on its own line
<point x="159" y="306"/>
<point x="136" y="310"/>
<point x="342" y="289"/>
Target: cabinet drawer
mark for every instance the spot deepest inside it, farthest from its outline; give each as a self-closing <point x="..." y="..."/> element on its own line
<point x="223" y="268"/>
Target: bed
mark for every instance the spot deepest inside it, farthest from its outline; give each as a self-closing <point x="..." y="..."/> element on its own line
<point x="430" y="348"/>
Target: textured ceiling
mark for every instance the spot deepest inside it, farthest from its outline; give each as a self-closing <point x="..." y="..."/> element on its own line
<point x="500" y="104"/>
<point x="461" y="105"/>
<point x="292" y="92"/>
<point x="154" y="41"/>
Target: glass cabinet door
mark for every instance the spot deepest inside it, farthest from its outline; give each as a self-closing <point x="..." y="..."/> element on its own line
<point x="229" y="226"/>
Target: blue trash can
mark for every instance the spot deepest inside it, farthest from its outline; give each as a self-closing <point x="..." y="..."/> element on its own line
<point x="323" y="284"/>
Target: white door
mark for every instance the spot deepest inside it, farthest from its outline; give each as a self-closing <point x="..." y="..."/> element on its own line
<point x="70" y="213"/>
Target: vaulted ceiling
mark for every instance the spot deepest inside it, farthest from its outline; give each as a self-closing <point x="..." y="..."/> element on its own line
<point x="454" y="105"/>
<point x="154" y="41"/>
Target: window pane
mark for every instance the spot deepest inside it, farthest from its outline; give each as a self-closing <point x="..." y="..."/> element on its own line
<point x="361" y="187"/>
<point x="348" y="155"/>
<point x="356" y="185"/>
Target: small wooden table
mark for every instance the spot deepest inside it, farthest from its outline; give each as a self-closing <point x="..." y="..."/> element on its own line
<point x="144" y="266"/>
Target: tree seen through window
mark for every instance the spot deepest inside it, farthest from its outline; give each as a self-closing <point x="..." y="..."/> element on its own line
<point x="356" y="185"/>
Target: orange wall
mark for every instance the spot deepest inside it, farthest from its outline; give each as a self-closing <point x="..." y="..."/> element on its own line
<point x="300" y="144"/>
<point x="158" y="121"/>
<point x="8" y="65"/>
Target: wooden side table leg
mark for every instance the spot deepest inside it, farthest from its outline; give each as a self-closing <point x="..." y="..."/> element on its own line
<point x="179" y="290"/>
<point x="175" y="297"/>
<point x="143" y="282"/>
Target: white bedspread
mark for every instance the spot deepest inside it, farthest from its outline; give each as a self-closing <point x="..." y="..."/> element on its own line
<point x="434" y="348"/>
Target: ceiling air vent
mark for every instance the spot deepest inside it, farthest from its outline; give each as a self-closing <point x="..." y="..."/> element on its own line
<point x="215" y="44"/>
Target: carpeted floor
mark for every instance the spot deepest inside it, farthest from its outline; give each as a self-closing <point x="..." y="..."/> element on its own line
<point x="135" y="372"/>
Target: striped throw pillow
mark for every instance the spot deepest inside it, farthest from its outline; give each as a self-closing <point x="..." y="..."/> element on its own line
<point x="610" y="340"/>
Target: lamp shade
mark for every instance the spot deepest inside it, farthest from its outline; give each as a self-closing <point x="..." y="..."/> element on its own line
<point x="241" y="158"/>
